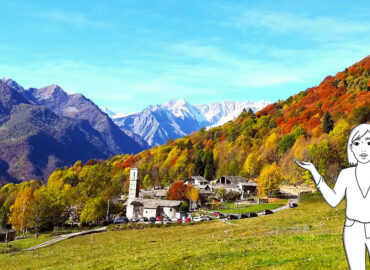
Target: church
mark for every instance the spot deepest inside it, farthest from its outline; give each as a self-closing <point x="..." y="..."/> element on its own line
<point x="138" y="207"/>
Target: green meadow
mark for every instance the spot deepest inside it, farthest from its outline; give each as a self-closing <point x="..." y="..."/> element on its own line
<point x="253" y="208"/>
<point x="26" y="243"/>
<point x="307" y="237"/>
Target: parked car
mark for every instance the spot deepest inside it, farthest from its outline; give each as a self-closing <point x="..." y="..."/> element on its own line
<point x="230" y="217"/>
<point x="221" y="216"/>
<point x="174" y="219"/>
<point x="292" y="204"/>
<point x="159" y="218"/>
<point x="197" y="219"/>
<point x="166" y="220"/>
<point x="134" y="219"/>
<point x="243" y="216"/>
<point x="251" y="200"/>
<point x="152" y="219"/>
<point x="186" y="220"/>
<point x="120" y="220"/>
<point x="179" y="220"/>
<point x="252" y="214"/>
<point x="216" y="214"/>
<point x="206" y="218"/>
<point x="143" y="220"/>
<point x="267" y="212"/>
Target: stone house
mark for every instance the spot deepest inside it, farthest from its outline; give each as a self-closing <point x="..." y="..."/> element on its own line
<point x="152" y="208"/>
<point x="196" y="181"/>
<point x="237" y="184"/>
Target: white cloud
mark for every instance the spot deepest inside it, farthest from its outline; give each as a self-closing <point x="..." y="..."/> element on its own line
<point x="74" y="19"/>
<point x="283" y="22"/>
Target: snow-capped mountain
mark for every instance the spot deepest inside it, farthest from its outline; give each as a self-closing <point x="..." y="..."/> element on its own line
<point x="177" y="118"/>
<point x="107" y="111"/>
<point x="218" y="114"/>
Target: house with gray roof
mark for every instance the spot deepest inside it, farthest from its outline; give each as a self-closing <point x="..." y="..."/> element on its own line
<point x="236" y="184"/>
<point x="152" y="208"/>
<point x="196" y="181"/>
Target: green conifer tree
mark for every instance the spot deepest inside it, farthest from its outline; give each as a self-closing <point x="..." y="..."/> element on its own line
<point x="328" y="123"/>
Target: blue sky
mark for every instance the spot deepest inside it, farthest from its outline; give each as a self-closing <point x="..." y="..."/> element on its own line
<point x="127" y="55"/>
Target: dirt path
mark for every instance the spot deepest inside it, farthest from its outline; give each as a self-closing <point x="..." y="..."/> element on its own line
<point x="64" y="237"/>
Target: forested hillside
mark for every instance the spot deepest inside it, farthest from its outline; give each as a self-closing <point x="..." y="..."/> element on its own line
<point x="312" y="125"/>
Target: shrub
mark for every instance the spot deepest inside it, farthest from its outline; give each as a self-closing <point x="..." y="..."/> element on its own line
<point x="184" y="206"/>
<point x="286" y="142"/>
<point x="361" y="115"/>
<point x="231" y="196"/>
<point x="311" y="197"/>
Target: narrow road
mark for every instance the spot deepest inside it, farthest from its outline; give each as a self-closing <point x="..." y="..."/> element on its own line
<point x="66" y="236"/>
<point x="261" y="213"/>
<point x="283" y="207"/>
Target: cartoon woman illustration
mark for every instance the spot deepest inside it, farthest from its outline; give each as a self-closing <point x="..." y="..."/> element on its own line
<point x="354" y="183"/>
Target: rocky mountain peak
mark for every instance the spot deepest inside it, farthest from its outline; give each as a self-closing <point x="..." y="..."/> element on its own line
<point x="11" y="83"/>
<point x="49" y="92"/>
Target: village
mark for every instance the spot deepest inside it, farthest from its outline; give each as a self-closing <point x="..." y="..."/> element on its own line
<point x="151" y="205"/>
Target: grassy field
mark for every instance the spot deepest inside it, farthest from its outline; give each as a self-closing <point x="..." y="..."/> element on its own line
<point x="26" y="243"/>
<point x="307" y="237"/>
<point x="31" y="241"/>
<point x="253" y="208"/>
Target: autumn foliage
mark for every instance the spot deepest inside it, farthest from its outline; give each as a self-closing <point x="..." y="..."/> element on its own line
<point x="259" y="146"/>
<point x="177" y="191"/>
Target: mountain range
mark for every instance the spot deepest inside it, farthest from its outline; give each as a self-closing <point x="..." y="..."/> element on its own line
<point x="177" y="118"/>
<point x="42" y="129"/>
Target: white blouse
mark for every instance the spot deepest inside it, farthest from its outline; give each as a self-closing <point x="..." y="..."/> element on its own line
<point x="358" y="203"/>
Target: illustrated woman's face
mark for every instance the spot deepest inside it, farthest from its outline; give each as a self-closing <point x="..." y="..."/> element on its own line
<point x="361" y="148"/>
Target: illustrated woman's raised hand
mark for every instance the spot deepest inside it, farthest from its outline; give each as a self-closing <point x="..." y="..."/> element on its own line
<point x="310" y="167"/>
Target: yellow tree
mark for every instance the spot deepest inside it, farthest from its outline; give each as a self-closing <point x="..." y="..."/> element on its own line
<point x="40" y="209"/>
<point x="271" y="141"/>
<point x="270" y="149"/>
<point x="268" y="180"/>
<point x="20" y="211"/>
<point x="93" y="209"/>
<point x="192" y="194"/>
<point x="252" y="165"/>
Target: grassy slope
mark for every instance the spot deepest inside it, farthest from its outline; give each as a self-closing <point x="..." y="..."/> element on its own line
<point x="27" y="242"/>
<point x="271" y="242"/>
<point x="252" y="208"/>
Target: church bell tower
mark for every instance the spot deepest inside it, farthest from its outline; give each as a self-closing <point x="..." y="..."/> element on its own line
<point x="134" y="184"/>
